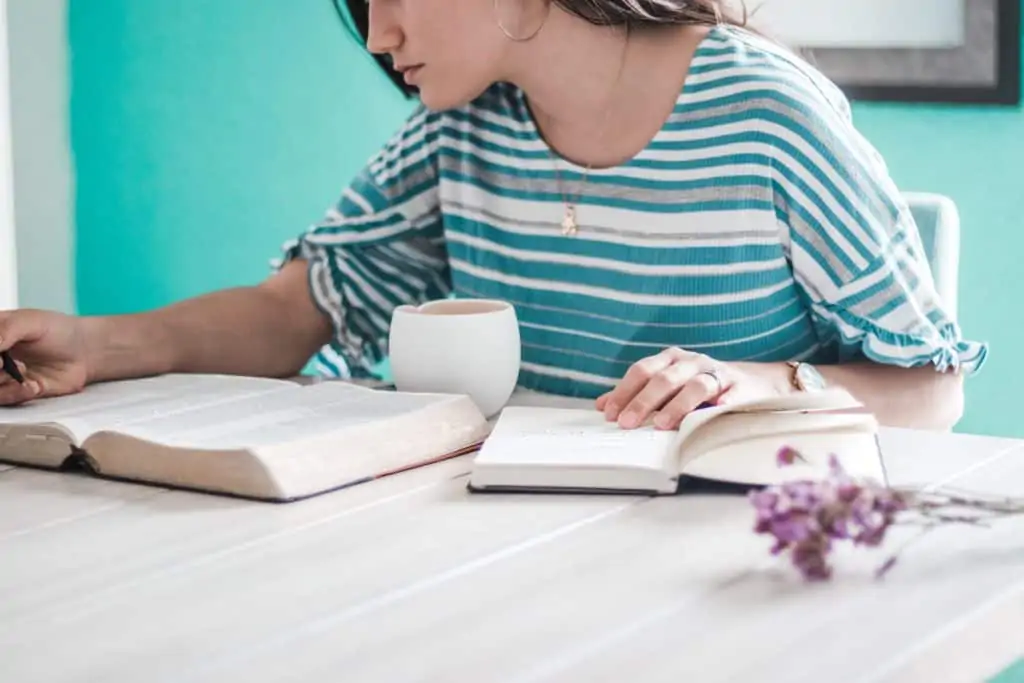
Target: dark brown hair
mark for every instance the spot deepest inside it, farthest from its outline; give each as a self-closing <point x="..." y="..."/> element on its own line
<point x="355" y="14"/>
<point x="639" y="13"/>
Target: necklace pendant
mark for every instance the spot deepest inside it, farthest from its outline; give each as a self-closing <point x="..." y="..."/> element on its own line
<point x="569" y="224"/>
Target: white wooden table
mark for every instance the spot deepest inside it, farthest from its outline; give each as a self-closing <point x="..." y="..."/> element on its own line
<point x="412" y="578"/>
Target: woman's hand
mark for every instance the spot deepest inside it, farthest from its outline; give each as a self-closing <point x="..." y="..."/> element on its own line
<point x="50" y="351"/>
<point x="674" y="383"/>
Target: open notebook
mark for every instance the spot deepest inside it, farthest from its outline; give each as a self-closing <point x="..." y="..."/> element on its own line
<point x="570" y="449"/>
<point x="250" y="437"/>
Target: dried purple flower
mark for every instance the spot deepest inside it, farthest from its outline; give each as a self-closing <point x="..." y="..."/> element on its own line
<point x="809" y="558"/>
<point x="787" y="456"/>
<point x="806" y="517"/>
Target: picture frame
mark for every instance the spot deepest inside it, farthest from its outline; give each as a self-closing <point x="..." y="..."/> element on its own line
<point x="985" y="69"/>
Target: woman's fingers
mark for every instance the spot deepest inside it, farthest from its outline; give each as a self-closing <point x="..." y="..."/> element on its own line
<point x="659" y="390"/>
<point x="667" y="386"/>
<point x="19" y="365"/>
<point x="702" y="387"/>
<point x="13" y="393"/>
<point x="637" y="377"/>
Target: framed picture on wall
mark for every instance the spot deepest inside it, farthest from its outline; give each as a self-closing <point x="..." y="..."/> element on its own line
<point x="952" y="51"/>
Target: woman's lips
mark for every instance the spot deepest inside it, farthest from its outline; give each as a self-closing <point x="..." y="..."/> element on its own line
<point x="410" y="73"/>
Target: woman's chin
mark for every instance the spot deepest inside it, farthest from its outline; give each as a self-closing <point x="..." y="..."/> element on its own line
<point x="443" y="99"/>
<point x="436" y="100"/>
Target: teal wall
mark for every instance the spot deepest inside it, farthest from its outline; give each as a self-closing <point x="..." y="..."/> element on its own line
<point x="205" y="134"/>
<point x="975" y="156"/>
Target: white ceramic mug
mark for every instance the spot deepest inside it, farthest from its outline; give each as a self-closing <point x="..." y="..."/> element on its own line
<point x="457" y="346"/>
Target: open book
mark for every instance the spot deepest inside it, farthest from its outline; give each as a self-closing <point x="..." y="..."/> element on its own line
<point x="257" y="438"/>
<point x="569" y="449"/>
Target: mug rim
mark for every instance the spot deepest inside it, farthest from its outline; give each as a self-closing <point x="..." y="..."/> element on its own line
<point x="494" y="306"/>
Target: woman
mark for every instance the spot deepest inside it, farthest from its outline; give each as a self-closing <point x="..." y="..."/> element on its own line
<point x="681" y="211"/>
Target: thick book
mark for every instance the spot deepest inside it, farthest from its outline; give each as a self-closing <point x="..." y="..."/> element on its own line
<point x="736" y="446"/>
<point x="267" y="439"/>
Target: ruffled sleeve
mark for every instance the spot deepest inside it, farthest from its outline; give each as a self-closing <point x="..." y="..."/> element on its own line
<point x="380" y="246"/>
<point x="854" y="246"/>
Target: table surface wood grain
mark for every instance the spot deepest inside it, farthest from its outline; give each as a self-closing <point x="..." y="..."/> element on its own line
<point x="412" y="578"/>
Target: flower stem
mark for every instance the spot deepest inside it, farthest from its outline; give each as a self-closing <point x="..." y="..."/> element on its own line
<point x="884" y="568"/>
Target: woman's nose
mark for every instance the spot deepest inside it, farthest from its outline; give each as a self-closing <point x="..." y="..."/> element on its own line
<point x="385" y="32"/>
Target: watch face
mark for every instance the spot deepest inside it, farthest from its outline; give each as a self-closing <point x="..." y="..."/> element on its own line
<point x="809" y="377"/>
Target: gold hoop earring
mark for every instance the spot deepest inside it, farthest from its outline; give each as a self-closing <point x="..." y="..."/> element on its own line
<point x="517" y="39"/>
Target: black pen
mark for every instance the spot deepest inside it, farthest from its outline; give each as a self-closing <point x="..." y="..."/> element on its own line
<point x="11" y="368"/>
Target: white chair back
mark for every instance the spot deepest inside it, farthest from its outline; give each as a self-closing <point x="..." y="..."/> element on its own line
<point x="938" y="222"/>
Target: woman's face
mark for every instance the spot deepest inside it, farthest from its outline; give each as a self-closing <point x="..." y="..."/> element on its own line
<point x="451" y="50"/>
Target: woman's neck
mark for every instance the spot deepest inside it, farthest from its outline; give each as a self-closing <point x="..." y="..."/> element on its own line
<point x="598" y="94"/>
<point x="570" y="70"/>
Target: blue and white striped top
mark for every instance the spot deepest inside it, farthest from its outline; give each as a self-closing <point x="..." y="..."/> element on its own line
<point x="756" y="225"/>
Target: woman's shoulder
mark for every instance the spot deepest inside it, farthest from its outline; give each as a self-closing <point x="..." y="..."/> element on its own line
<point x="751" y="72"/>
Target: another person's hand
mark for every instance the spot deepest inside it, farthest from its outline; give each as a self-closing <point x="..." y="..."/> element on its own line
<point x="672" y="384"/>
<point x="50" y="351"/>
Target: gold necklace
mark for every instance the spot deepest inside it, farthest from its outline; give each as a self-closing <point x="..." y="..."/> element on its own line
<point x="570" y="223"/>
<point x="570" y="226"/>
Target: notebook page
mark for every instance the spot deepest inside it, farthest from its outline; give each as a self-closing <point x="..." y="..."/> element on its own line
<point x="279" y="417"/>
<point x="556" y="437"/>
<point x="112" y="405"/>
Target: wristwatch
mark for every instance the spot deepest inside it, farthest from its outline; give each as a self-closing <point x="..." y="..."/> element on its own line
<point x="806" y="377"/>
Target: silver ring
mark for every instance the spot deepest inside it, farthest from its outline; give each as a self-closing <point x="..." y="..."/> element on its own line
<point x="714" y="375"/>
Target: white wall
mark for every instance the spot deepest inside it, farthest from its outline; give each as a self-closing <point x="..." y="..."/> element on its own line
<point x="42" y="160"/>
<point x="8" y="251"/>
<point x="862" y="23"/>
